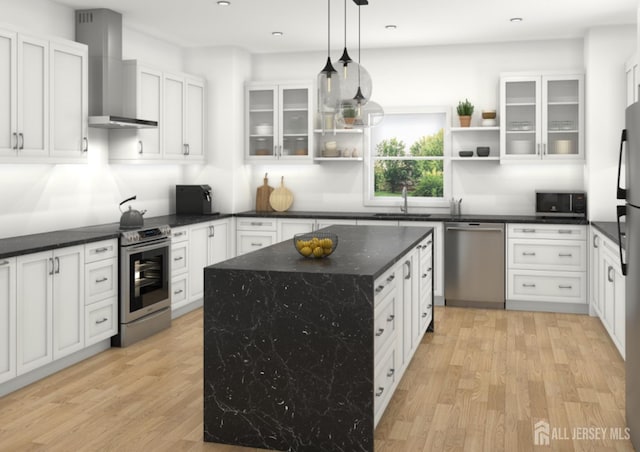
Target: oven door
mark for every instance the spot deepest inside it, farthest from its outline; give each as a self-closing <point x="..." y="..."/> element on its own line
<point x="144" y="279"/>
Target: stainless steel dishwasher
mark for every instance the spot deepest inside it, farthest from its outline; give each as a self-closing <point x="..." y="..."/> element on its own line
<point x="474" y="265"/>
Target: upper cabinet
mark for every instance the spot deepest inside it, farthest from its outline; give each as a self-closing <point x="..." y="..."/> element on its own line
<point x="278" y="122"/>
<point x="176" y="101"/>
<point x="45" y="83"/>
<point x="542" y="117"/>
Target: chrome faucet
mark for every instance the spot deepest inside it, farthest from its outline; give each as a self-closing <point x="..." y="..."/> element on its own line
<point x="405" y="207"/>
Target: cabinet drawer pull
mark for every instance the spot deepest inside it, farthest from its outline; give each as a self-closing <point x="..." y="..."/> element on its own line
<point x="380" y="288"/>
<point x="390" y="318"/>
<point x="102" y="320"/>
<point x="565" y="231"/>
<point x="391" y="277"/>
<point x="564" y="286"/>
<point x="256" y="223"/>
<point x="178" y="234"/>
<point x="424" y="314"/>
<point x="179" y="258"/>
<point x="379" y="391"/>
<point x="565" y="255"/>
<point x="424" y="275"/>
<point x="380" y="332"/>
<point x="4" y="262"/>
<point x="528" y="254"/>
<point x="101" y="280"/>
<point x="428" y="243"/>
<point x="391" y="372"/>
<point x="529" y="231"/>
<point x="256" y="244"/>
<point x="101" y="250"/>
<point x="528" y="285"/>
<point x="178" y="292"/>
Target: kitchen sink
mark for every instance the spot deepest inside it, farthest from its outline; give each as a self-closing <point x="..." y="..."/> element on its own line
<point x="401" y="215"/>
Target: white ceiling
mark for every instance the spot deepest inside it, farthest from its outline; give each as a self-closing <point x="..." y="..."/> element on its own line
<point x="249" y="23"/>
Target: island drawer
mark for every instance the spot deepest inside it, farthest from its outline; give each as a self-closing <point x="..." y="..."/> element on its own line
<point x="385" y="320"/>
<point x="383" y="381"/>
<point x="385" y="284"/>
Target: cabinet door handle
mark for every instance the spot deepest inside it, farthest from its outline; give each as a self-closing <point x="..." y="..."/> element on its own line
<point x="391" y="372"/>
<point x="538" y="151"/>
<point x="177" y="292"/>
<point x="544" y="148"/>
<point x="57" y="265"/>
<point x="85" y="144"/>
<point x="51" y="262"/>
<point x="176" y="259"/>
<point x="408" y="264"/>
<point x="256" y="244"/>
<point x="528" y="285"/>
<point x="21" y="136"/>
<point x="102" y="320"/>
<point x="564" y="286"/>
<point x="184" y="149"/>
<point x="609" y="270"/>
<point x="212" y="231"/>
<point x="101" y="280"/>
<point x="595" y="241"/>
<point x="15" y="140"/>
<point x="379" y="391"/>
<point x="528" y="254"/>
<point x="380" y="332"/>
<point x="140" y="147"/>
<point x="565" y="255"/>
<point x="188" y="149"/>
<point x="390" y="318"/>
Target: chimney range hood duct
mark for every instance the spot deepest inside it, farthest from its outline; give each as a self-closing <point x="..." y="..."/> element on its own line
<point x="101" y="30"/>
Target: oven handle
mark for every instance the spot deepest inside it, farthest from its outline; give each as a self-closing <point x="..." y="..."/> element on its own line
<point x="146" y="246"/>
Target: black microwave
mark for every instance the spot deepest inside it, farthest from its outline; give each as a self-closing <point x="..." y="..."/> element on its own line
<point x="561" y="204"/>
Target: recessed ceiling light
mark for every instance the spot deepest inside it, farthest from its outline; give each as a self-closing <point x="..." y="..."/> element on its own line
<point x="224" y="3"/>
<point x="516" y="19"/>
<point x="390" y="27"/>
<point x="277" y="33"/>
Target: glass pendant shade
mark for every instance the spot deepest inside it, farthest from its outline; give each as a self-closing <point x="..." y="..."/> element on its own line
<point x="364" y="115"/>
<point x="329" y="88"/>
<point x="353" y="75"/>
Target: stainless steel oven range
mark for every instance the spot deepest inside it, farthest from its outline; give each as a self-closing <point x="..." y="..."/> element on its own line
<point x="144" y="298"/>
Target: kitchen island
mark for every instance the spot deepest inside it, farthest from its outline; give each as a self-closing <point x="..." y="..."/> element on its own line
<point x="304" y="354"/>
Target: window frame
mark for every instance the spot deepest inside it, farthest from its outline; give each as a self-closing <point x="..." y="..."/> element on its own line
<point x="369" y="163"/>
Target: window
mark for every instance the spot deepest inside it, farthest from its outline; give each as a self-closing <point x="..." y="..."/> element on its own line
<point x="409" y="148"/>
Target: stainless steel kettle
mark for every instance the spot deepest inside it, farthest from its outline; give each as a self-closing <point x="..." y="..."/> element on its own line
<point x="131" y="219"/>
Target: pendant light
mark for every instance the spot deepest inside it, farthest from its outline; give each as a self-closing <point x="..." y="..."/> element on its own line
<point x="328" y="79"/>
<point x="352" y="74"/>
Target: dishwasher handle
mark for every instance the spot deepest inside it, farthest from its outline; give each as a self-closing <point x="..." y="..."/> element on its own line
<point x="457" y="228"/>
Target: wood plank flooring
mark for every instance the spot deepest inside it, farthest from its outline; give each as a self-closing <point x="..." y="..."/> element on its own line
<point x="479" y="383"/>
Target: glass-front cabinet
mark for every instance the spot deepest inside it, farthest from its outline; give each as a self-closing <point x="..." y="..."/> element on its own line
<point x="278" y="122"/>
<point x="542" y="117"/>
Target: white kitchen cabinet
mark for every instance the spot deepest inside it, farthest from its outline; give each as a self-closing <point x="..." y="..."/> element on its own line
<point x="612" y="293"/>
<point x="278" y="122"/>
<point x="24" y="83"/>
<point x="180" y="267"/>
<point x="542" y="117"/>
<point x="546" y="267"/>
<point x="325" y="222"/>
<point x="50" y="324"/>
<point x="101" y="291"/>
<point x="7" y="319"/>
<point x="209" y="243"/>
<point x="183" y="117"/>
<point x="595" y="300"/>
<point x="288" y="227"/>
<point x="254" y="233"/>
<point x="69" y="100"/>
<point x="142" y="99"/>
<point x="438" y="254"/>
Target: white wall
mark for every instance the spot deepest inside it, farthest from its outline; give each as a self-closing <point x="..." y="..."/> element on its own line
<point x="606" y="50"/>
<point x="432" y="76"/>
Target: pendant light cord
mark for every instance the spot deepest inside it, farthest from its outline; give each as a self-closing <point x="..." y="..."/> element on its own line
<point x="328" y="27"/>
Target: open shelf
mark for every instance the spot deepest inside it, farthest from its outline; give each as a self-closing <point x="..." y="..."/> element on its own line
<point x="476" y="129"/>
<point x="476" y="159"/>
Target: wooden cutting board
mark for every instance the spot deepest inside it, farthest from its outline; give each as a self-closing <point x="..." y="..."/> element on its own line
<point x="281" y="198"/>
<point x="262" y="196"/>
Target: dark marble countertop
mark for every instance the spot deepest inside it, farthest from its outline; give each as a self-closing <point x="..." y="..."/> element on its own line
<point x="34" y="243"/>
<point x="415" y="217"/>
<point x="361" y="250"/>
<point x="610" y="230"/>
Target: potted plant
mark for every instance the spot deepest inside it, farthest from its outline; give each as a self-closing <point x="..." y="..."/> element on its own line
<point x="465" y="111"/>
<point x="349" y="115"/>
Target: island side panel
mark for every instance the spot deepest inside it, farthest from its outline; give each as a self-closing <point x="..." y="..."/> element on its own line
<point x="288" y="360"/>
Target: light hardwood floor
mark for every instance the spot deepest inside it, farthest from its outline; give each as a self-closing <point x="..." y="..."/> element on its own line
<point x="479" y="383"/>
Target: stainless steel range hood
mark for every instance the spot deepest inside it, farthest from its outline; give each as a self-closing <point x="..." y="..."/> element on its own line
<point x="101" y="30"/>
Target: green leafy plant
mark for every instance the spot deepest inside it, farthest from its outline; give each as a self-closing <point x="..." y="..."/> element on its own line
<point x="465" y="108"/>
<point x="348" y="111"/>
